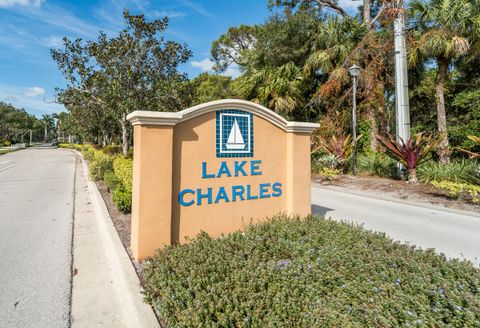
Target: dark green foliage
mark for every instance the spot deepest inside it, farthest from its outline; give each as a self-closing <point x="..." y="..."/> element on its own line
<point x="309" y="273"/>
<point x="377" y="164"/>
<point x="111" y="181"/>
<point x="112" y="149"/>
<point x="463" y="171"/>
<point x="122" y="200"/>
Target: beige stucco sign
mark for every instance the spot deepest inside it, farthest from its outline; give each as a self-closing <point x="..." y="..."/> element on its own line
<point x="214" y="167"/>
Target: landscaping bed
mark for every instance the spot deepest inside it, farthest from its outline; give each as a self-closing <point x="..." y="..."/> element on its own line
<point x="309" y="273"/>
<point x="397" y="189"/>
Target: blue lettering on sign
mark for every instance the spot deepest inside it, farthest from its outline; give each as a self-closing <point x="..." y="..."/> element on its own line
<point x="236" y="193"/>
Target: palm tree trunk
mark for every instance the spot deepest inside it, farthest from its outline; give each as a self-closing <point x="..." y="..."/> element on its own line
<point x="412" y="176"/>
<point x="441" y="78"/>
<point x="45" y="134"/>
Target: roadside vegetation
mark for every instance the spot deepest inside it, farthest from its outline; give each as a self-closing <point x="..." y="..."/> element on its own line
<point x="309" y="272"/>
<point x="109" y="165"/>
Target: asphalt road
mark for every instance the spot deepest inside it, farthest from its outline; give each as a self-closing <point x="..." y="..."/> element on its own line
<point x="36" y="211"/>
<point x="454" y="233"/>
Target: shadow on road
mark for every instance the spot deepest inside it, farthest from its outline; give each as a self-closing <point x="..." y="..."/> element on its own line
<point x="320" y="210"/>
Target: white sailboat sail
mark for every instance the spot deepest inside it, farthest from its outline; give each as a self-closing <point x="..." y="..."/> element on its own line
<point x="235" y="138"/>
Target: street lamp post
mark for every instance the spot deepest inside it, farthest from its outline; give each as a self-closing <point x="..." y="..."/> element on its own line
<point x="354" y="71"/>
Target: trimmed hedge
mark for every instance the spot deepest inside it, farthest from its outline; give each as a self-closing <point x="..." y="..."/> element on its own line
<point x="310" y="272"/>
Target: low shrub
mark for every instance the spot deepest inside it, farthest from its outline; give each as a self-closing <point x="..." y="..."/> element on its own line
<point x="464" y="171"/>
<point x="328" y="173"/>
<point x="377" y="164"/>
<point x="309" y="272"/>
<point x="122" y="199"/>
<point x="467" y="191"/>
<point x="123" y="168"/>
<point x="111" y="180"/>
<point x="99" y="164"/>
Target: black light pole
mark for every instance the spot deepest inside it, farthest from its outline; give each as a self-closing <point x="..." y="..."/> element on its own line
<point x="354" y="71"/>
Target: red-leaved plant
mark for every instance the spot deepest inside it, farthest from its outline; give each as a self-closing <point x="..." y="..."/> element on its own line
<point x="340" y="147"/>
<point x="415" y="151"/>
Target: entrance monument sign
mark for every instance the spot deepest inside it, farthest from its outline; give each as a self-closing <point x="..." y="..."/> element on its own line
<point x="214" y="167"/>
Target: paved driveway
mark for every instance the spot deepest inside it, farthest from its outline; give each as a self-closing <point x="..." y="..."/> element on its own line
<point x="454" y="233"/>
<point x="36" y="210"/>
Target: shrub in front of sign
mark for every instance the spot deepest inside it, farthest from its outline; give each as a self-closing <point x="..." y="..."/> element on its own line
<point x="119" y="182"/>
<point x="99" y="164"/>
<point x="309" y="273"/>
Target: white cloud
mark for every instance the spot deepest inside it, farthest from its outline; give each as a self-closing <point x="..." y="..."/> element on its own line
<point x="349" y="4"/>
<point x="206" y="65"/>
<point x="53" y="42"/>
<point x="34" y="92"/>
<point x="17" y="96"/>
<point x="196" y="8"/>
<point x="23" y="3"/>
<point x="168" y="13"/>
<point x="233" y="71"/>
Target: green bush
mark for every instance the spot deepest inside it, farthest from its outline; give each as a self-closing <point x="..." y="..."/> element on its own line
<point x="377" y="164"/>
<point x="310" y="273"/>
<point x="111" y="180"/>
<point x="123" y="168"/>
<point x="99" y="164"/>
<point x="112" y="150"/>
<point x="464" y="171"/>
<point x="457" y="189"/>
<point x="122" y="199"/>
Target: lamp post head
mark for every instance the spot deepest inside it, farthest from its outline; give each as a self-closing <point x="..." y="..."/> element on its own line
<point x="354" y="70"/>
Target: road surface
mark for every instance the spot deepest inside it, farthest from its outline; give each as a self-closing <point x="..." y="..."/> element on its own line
<point x="36" y="211"/>
<point x="454" y="233"/>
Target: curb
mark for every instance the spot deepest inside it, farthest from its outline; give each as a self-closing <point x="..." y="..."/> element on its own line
<point x="135" y="312"/>
<point x="395" y="200"/>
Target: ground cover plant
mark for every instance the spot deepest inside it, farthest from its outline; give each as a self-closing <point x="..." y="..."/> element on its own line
<point x="377" y="164"/>
<point x="309" y="272"/>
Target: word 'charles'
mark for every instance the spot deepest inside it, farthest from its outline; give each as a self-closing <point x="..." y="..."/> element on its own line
<point x="233" y="193"/>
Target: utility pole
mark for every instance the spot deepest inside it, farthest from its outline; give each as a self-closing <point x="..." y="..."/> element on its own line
<point x="402" y="107"/>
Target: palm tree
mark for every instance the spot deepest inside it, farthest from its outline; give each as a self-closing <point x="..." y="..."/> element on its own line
<point x="48" y="124"/>
<point x="447" y="31"/>
<point x="278" y="88"/>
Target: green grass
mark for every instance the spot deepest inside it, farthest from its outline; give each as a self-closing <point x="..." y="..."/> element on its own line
<point x="309" y="273"/>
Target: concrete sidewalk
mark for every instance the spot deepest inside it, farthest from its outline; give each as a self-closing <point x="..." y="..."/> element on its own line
<point x="106" y="290"/>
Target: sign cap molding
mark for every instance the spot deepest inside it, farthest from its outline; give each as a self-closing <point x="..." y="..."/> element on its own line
<point x="172" y="118"/>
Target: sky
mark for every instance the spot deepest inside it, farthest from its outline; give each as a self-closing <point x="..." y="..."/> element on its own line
<point x="30" y="28"/>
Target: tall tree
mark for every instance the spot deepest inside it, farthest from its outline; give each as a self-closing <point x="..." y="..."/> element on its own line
<point x="138" y="69"/>
<point x="48" y="123"/>
<point x="446" y="31"/>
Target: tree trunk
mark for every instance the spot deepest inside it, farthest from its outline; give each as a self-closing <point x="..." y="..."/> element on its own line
<point x="442" y="76"/>
<point x="125" y="134"/>
<point x="366" y="12"/>
<point x="45" y="134"/>
<point x="412" y="176"/>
